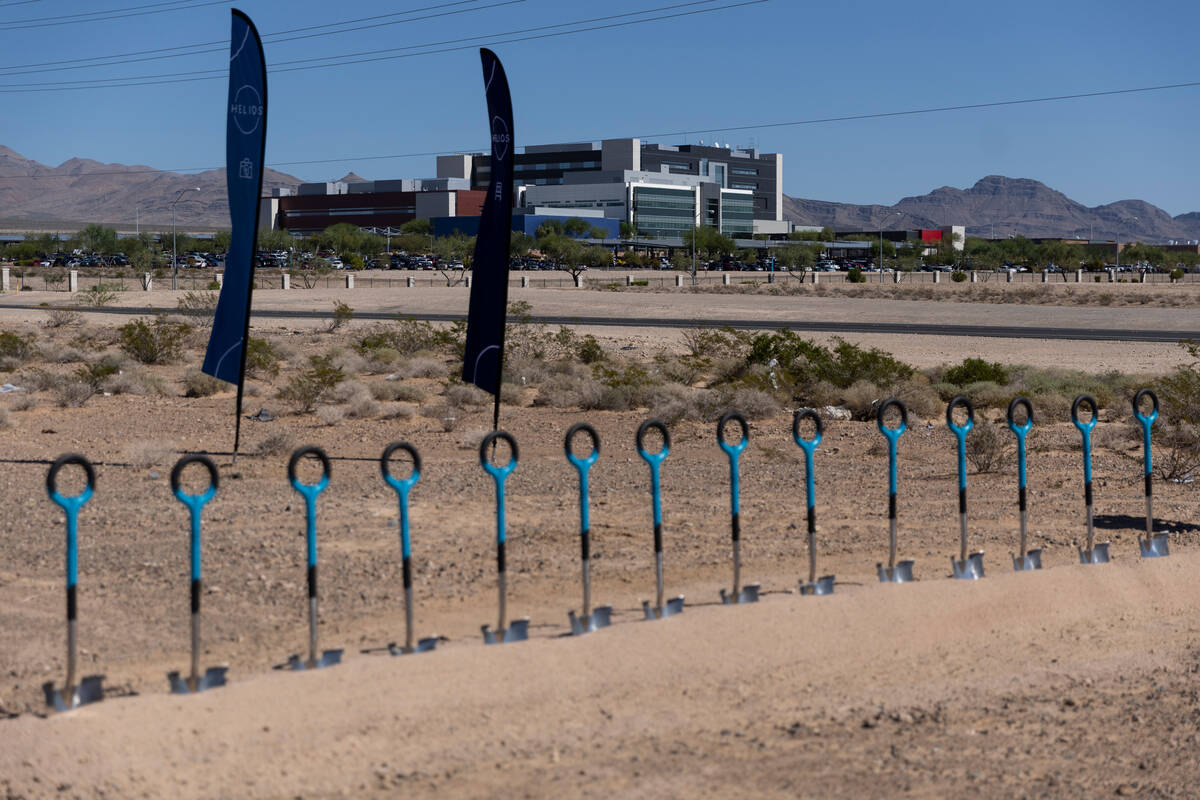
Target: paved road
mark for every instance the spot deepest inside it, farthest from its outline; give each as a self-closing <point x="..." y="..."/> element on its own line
<point x="811" y="326"/>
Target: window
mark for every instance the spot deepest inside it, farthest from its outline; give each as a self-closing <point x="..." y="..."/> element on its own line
<point x="743" y="171"/>
<point x="750" y="186"/>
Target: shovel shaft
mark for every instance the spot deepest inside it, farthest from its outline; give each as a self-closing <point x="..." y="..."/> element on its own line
<point x="408" y="616"/>
<point x="812" y="544"/>
<point x="658" y="577"/>
<point x="962" y="523"/>
<point x="892" y="529"/>
<point x="1087" y="496"/>
<point x="1024" y="528"/>
<point x="1149" y="510"/>
<point x="312" y="612"/>
<point x="69" y="688"/>
<point x="737" y="561"/>
<point x="502" y="583"/>
<point x="195" y="629"/>
<point x="587" y="584"/>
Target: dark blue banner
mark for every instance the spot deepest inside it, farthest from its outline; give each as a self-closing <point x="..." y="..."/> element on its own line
<point x="245" y="146"/>
<point x="484" y="355"/>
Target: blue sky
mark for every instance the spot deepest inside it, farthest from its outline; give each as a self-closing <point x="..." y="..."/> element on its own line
<point x="769" y="62"/>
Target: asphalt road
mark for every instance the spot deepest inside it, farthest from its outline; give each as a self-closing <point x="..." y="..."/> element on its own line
<point x="842" y="326"/>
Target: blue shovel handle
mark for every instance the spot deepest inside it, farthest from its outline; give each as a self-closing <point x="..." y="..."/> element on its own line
<point x="499" y="475"/>
<point x="892" y="434"/>
<point x="71" y="506"/>
<point x="734" y="451"/>
<point x="310" y="491"/>
<point x="1147" y="420"/>
<point x="582" y="465"/>
<point x="655" y="461"/>
<point x="195" y="502"/>
<point x="1020" y="431"/>
<point x="808" y="446"/>
<point x="401" y="486"/>
<point x="1085" y="430"/>
<point x="960" y="433"/>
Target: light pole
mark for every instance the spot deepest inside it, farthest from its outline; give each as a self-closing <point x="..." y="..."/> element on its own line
<point x="174" y="249"/>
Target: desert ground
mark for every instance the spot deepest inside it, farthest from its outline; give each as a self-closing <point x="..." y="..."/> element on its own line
<point x="1074" y="681"/>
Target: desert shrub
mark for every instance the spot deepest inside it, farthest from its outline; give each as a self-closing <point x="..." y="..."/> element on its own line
<point x="198" y="306"/>
<point x="799" y="363"/>
<point x="262" y="358"/>
<point x="330" y="415"/>
<point x="198" y="384"/>
<point x="381" y="359"/>
<point x="861" y="399"/>
<point x="465" y="394"/>
<point x="23" y="401"/>
<point x="62" y="318"/>
<point x="59" y="354"/>
<point x="855" y="275"/>
<point x="988" y="394"/>
<point x="397" y="390"/>
<point x="396" y="411"/>
<point x="274" y="444"/>
<point x="70" y="392"/>
<point x="98" y="296"/>
<point x="160" y="342"/>
<point x="623" y="388"/>
<point x="95" y="375"/>
<point x="14" y="348"/>
<point x="342" y="314"/>
<point x="919" y="395"/>
<point x="1176" y="275"/>
<point x="408" y="336"/>
<point x="570" y="390"/>
<point x="128" y="383"/>
<point x="589" y="350"/>
<point x="348" y="361"/>
<point x="422" y="368"/>
<point x="958" y="276"/>
<point x="672" y="403"/>
<point x="755" y="403"/>
<point x="686" y="370"/>
<point x="4" y="421"/>
<point x="313" y="385"/>
<point x="715" y="342"/>
<point x="987" y="447"/>
<point x="1178" y="429"/>
<point x="974" y="370"/>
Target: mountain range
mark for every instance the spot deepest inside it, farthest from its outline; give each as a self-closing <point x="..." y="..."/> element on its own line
<point x="34" y="196"/>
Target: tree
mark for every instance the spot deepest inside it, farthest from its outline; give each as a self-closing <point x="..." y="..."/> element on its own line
<point x="418" y="227"/>
<point x="798" y="257"/>
<point x="628" y="230"/>
<point x="454" y="254"/>
<point x="708" y="242"/>
<point x="519" y="244"/>
<point x="98" y="239"/>
<point x="221" y="240"/>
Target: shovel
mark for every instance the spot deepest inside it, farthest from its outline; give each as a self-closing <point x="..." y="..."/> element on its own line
<point x="90" y="688"/>
<point x="749" y="592"/>
<point x="310" y="491"/>
<point x="1096" y="552"/>
<point x="966" y="567"/>
<point x="402" y="488"/>
<point x="601" y="616"/>
<point x="1155" y="544"/>
<point x="893" y="572"/>
<point x="519" y="630"/>
<point x="1027" y="559"/>
<point x="674" y="605"/>
<point x="213" y="676"/>
<point x="824" y="584"/>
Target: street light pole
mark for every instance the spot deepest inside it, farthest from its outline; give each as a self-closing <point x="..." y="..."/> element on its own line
<point x="174" y="247"/>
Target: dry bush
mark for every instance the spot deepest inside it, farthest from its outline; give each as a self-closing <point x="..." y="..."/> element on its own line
<point x="330" y="415"/>
<point x="348" y="361"/>
<point x="396" y="411"/>
<point x="684" y="370"/>
<point x="252" y="390"/>
<point x="575" y="390"/>
<point x="362" y="406"/>
<point x="72" y="393"/>
<point x="397" y="390"/>
<point x="824" y="393"/>
<point x="673" y="402"/>
<point x="62" y="318"/>
<point x="275" y="443"/>
<point x="198" y="384"/>
<point x="422" y="368"/>
<point x="9" y="363"/>
<point x="448" y="414"/>
<point x="57" y="353"/>
<point x="35" y="380"/>
<point x="199" y="307"/>
<point x="145" y="453"/>
<point x="1052" y="407"/>
<point x="919" y="396"/>
<point x="466" y="394"/>
<point x="987" y="447"/>
<point x="157" y="342"/>
<point x="861" y="399"/>
<point x="346" y="391"/>
<point x="4" y="421"/>
<point x="525" y="369"/>
<point x="470" y="440"/>
<point x="382" y="359"/>
<point x="755" y="403"/>
<point x="22" y="401"/>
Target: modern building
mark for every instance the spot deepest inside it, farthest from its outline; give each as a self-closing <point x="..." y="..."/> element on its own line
<point x="661" y="190"/>
<point x="923" y="237"/>
<point x="368" y="204"/>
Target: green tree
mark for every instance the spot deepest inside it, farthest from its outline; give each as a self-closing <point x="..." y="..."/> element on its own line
<point x="98" y="239"/>
<point x="417" y="227"/>
<point x="628" y="230"/>
<point x="519" y="244"/>
<point x="708" y="242"/>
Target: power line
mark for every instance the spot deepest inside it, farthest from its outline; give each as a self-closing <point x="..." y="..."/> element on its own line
<point x="118" y="13"/>
<point x="354" y="58"/>
<point x="220" y="45"/>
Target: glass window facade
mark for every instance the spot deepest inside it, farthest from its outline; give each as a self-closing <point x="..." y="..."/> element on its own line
<point x="737" y="215"/>
<point x="663" y="212"/>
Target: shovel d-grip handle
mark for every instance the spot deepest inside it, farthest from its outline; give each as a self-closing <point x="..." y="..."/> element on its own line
<point x="1085" y="431"/>
<point x="809" y="446"/>
<point x="582" y="465"/>
<point x="71" y="506"/>
<point x="960" y="433"/>
<point x="310" y="492"/>
<point x="1021" y="431"/>
<point x="655" y="461"/>
<point x="1146" y="420"/>
<point x="401" y="486"/>
<point x="893" y="436"/>
<point x="499" y="476"/>
<point x="734" y="451"/>
<point x="195" y="504"/>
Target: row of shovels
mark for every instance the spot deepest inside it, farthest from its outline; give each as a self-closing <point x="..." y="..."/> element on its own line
<point x="807" y="431"/>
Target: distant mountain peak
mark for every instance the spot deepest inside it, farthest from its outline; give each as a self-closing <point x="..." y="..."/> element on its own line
<point x="352" y="178"/>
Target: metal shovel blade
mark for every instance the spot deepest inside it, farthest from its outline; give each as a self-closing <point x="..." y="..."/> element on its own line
<point x="422" y="646"/>
<point x="901" y="573"/>
<point x="211" y="679"/>
<point x="89" y="690"/>
<point x="1155" y="547"/>
<point x="822" y="585"/>
<point x="971" y="569"/>
<point x="1030" y="561"/>
<point x="601" y="617"/>
<point x="674" y="606"/>
<point x="748" y="594"/>
<point x="517" y="631"/>
<point x="328" y="659"/>
<point x="1097" y="555"/>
